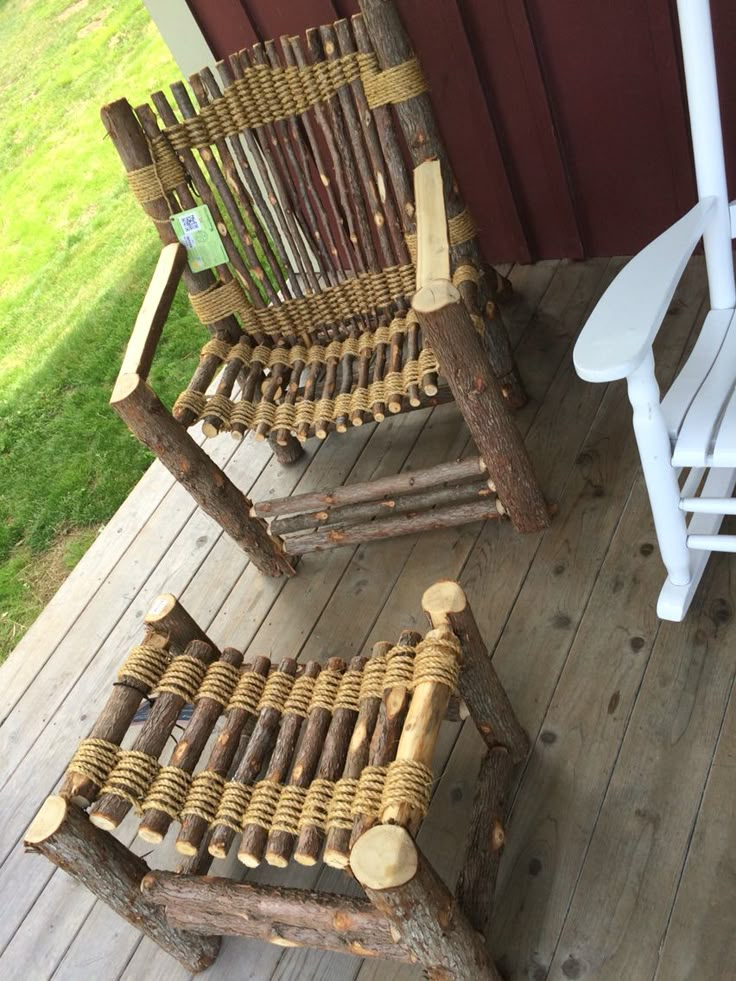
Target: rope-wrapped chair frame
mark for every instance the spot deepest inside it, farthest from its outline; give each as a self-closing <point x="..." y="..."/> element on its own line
<point x="298" y="150"/>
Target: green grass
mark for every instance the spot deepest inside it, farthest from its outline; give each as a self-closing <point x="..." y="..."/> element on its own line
<point x="76" y="258"/>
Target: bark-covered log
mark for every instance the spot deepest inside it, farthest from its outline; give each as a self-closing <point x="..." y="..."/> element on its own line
<point x="281" y="843"/>
<point x="486" y="839"/>
<point x="374" y="490"/>
<point x="417" y="121"/>
<point x="401" y="883"/>
<point x="111" y="726"/>
<point x="168" y="617"/>
<point x="287" y="452"/>
<point x="331" y="763"/>
<point x="356" y="514"/>
<point x="386" y="735"/>
<point x="254" y="838"/>
<point x="230" y="742"/>
<point x="149" y="420"/>
<point x="402" y="524"/>
<point x="450" y="332"/>
<point x="419" y="737"/>
<point x="113" y="874"/>
<point x="258" y="750"/>
<point x="480" y="687"/>
<point x="284" y="916"/>
<point x="111" y="808"/>
<point x="337" y="841"/>
<point x="155" y="823"/>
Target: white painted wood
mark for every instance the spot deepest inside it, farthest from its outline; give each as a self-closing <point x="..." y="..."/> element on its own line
<point x="732" y="213"/>
<point x="181" y="34"/>
<point x="699" y="429"/>
<point x="664" y="491"/>
<point x="712" y="543"/>
<point x="621" y="330"/>
<point x="692" y="482"/>
<point x="709" y="505"/>
<point x="686" y="386"/>
<point x="724" y="449"/>
<point x="674" y="601"/>
<point x="696" y="35"/>
<point x="695" y="424"/>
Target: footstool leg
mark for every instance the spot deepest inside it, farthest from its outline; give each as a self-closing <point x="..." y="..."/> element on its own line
<point x="63" y="833"/>
<point x="401" y="883"/>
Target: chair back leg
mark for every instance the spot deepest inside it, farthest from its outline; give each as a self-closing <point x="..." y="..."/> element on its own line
<point x="656" y="459"/>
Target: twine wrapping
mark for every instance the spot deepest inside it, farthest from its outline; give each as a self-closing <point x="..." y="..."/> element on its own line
<point x="325" y="690"/>
<point x="204" y="796"/>
<point x="277" y="690"/>
<point x="145" y="665"/>
<point x="182" y="677"/>
<point x="168" y="793"/>
<point x="263" y="803"/>
<point x="340" y="811"/>
<point x="316" y="805"/>
<point x="301" y="694"/>
<point x="233" y="805"/>
<point x="437" y="661"/>
<point x="372" y="683"/>
<point x="132" y="777"/>
<point x="408" y="782"/>
<point x="399" y="667"/>
<point x="367" y="800"/>
<point x="289" y="809"/>
<point x="248" y="692"/>
<point x="219" y="683"/>
<point x="94" y="759"/>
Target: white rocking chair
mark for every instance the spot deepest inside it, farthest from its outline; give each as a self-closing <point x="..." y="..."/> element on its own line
<point x="694" y="426"/>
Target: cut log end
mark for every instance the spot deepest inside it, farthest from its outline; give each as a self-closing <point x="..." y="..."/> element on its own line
<point x="186" y="848"/>
<point x="249" y="860"/>
<point x="335" y="859"/>
<point x="210" y="430"/>
<point x="151" y="836"/>
<point x="48" y="820"/>
<point x="104" y="822"/>
<point x="441" y="599"/>
<point x="161" y="608"/>
<point x="435" y="296"/>
<point x="385" y="857"/>
<point x="125" y="386"/>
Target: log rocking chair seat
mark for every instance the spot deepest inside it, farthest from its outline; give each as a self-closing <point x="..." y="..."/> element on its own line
<point x="298" y="155"/>
<point x="294" y="763"/>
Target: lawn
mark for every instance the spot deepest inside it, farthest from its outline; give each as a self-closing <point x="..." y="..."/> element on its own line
<point x="77" y="255"/>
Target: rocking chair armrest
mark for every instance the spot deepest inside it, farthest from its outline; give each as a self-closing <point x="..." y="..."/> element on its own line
<point x="154" y="310"/>
<point x="622" y="327"/>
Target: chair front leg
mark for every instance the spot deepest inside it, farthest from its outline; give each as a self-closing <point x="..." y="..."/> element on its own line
<point x="149" y="419"/>
<point x="655" y="451"/>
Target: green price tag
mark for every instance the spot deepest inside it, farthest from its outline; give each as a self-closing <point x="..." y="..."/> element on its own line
<point x="197" y="232"/>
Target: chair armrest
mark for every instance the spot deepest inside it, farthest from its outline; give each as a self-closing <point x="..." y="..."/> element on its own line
<point x="622" y="327"/>
<point x="154" y="310"/>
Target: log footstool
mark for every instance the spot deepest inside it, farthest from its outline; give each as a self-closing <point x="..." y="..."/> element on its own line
<point x="297" y="763"/>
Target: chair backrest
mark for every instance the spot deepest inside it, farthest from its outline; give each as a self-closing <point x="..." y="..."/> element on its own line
<point x="299" y="157"/>
<point x="705" y="125"/>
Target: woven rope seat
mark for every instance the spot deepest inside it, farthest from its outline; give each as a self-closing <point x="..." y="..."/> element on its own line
<point x="284" y="762"/>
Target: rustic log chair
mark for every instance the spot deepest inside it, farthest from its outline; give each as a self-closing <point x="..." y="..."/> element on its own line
<point x="329" y="760"/>
<point x="301" y="167"/>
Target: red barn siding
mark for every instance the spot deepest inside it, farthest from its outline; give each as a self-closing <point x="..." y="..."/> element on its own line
<point x="566" y="121"/>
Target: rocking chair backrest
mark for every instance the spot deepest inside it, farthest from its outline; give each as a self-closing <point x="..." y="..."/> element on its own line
<point x="705" y="124"/>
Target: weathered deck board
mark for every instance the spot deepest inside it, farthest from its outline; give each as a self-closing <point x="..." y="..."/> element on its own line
<point x="626" y="715"/>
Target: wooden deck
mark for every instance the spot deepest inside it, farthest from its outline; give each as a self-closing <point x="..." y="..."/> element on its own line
<point x="620" y="861"/>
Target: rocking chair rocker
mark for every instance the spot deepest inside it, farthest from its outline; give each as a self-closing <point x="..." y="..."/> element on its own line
<point x="309" y="310"/>
<point x="686" y="440"/>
